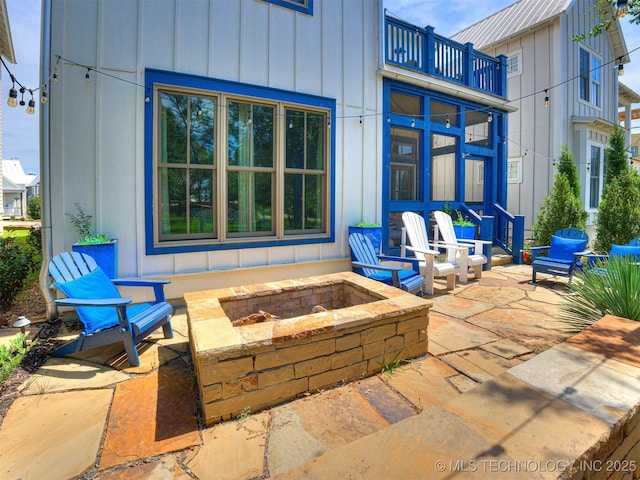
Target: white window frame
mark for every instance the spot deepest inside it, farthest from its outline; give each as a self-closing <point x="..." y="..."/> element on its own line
<point x="593" y="91"/>
<point x="511" y="71"/>
<point x="517" y="161"/>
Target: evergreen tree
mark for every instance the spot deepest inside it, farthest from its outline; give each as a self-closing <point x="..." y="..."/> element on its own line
<point x="618" y="218"/>
<point x="568" y="168"/>
<point x="560" y="209"/>
<point x="617" y="158"/>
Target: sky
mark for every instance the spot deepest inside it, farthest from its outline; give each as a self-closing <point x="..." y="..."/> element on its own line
<point x="20" y="130"/>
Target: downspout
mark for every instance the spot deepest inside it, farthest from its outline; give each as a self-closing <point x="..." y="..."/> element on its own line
<point x="45" y="172"/>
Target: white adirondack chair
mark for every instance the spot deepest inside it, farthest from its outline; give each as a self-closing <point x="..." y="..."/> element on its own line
<point x="416" y="230"/>
<point x="469" y="257"/>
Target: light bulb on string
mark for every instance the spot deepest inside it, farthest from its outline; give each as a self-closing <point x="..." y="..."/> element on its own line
<point x="620" y="70"/>
<point x="31" y="105"/>
<point x="490" y="117"/>
<point x="413" y="123"/>
<point x="87" y="77"/>
<point x="44" y="98"/>
<point x="622" y="8"/>
<point x="546" y="98"/>
<point x="12" y="101"/>
<point x="54" y="77"/>
<point x="447" y="122"/>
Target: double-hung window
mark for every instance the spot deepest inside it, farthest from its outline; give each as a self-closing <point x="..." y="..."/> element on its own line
<point x="234" y="166"/>
<point x="590" y="78"/>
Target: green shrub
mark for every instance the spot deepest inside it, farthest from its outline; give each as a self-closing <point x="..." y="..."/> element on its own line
<point x="560" y="209"/>
<point x="567" y="167"/>
<point x="17" y="261"/>
<point x="35" y="238"/>
<point x="11" y="355"/>
<point x="609" y="288"/>
<point x="618" y="219"/>
<point x="33" y="208"/>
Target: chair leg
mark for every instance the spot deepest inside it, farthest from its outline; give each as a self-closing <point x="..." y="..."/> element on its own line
<point x="451" y="281"/>
<point x="477" y="271"/>
<point x="131" y="350"/>
<point x="167" y="330"/>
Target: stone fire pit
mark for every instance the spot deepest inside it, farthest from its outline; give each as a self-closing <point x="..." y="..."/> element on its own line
<point x="360" y="324"/>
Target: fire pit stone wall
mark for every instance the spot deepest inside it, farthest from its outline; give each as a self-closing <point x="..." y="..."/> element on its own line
<point x="359" y="325"/>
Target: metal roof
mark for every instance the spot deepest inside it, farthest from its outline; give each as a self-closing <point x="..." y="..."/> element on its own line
<point x="527" y="15"/>
<point x="6" y="44"/>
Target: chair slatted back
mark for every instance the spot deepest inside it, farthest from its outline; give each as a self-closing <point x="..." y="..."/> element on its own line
<point x="363" y="252"/>
<point x="445" y="227"/>
<point x="417" y="232"/>
<point x="571" y="232"/>
<point x="69" y="266"/>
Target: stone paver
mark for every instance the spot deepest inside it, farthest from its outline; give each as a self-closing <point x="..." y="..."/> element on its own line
<point x="59" y="374"/>
<point x="151" y="415"/>
<point x="450" y="335"/>
<point x="425" y="383"/>
<point x="531" y="328"/>
<point x="457" y="307"/>
<point x="497" y="297"/>
<point x="506" y="348"/>
<point x="607" y="336"/>
<point x="165" y="468"/>
<point x="569" y="374"/>
<point x="53" y="436"/>
<point x="232" y="450"/>
<point x="479" y="364"/>
<point x="527" y="424"/>
<point x="429" y="446"/>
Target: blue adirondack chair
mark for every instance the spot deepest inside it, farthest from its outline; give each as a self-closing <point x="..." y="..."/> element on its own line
<point x="562" y="256"/>
<point x="107" y="318"/>
<point x="367" y="263"/>
<point x="632" y="249"/>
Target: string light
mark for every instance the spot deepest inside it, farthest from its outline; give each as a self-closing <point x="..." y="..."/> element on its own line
<point x="622" y="9"/>
<point x="620" y="70"/>
<point x="447" y="122"/>
<point x="413" y="123"/>
<point x="490" y="117"/>
<point x="546" y="98"/>
<point x="87" y="77"/>
<point x="12" y="101"/>
<point x="44" y="97"/>
<point x="31" y="105"/>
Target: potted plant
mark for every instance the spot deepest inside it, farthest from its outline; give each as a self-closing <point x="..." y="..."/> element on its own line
<point x="463" y="227"/>
<point x="103" y="249"/>
<point x="373" y="231"/>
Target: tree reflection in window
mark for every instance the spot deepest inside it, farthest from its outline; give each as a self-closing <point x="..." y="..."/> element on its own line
<point x="187" y="170"/>
<point x="305" y="171"/>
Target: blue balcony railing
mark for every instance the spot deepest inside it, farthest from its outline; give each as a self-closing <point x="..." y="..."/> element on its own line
<point x="420" y="49"/>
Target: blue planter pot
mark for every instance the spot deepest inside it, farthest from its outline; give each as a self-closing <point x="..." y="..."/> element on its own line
<point x="465" y="232"/>
<point x="374" y="234"/>
<point x="105" y="255"/>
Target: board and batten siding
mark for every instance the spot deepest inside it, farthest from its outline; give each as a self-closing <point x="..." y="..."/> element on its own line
<point x="97" y="128"/>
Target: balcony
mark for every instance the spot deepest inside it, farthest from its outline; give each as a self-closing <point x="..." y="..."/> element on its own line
<point x="421" y="50"/>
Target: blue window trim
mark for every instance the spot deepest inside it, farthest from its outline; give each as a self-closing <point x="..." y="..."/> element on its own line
<point x="174" y="79"/>
<point x="294" y="5"/>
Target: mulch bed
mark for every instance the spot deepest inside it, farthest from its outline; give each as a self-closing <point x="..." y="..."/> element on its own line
<point x="31" y="304"/>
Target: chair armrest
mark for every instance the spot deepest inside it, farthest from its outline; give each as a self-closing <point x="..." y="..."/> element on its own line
<point x="413" y="261"/>
<point x="453" y="246"/>
<point x="93" y="302"/>
<point x="387" y="268"/>
<point x="138" y="282"/>
<point x="157" y="285"/>
<point x="420" y="250"/>
<point x="536" y="251"/>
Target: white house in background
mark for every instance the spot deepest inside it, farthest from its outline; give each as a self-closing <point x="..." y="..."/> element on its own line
<point x="233" y="142"/>
<point x="579" y="82"/>
<point x="18" y="188"/>
<point x="7" y="53"/>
